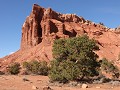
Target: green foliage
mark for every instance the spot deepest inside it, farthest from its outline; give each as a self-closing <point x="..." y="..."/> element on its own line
<point x="35" y="67"/>
<point x="108" y="67"/>
<point x="14" y="68"/>
<point x="74" y="59"/>
<point x="63" y="72"/>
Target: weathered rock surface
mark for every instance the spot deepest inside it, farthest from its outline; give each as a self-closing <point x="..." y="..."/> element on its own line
<point x="43" y="26"/>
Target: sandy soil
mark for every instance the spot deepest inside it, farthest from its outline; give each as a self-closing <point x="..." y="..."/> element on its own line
<point x="10" y="82"/>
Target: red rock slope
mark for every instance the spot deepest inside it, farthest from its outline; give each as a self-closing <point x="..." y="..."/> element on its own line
<point x="43" y="26"/>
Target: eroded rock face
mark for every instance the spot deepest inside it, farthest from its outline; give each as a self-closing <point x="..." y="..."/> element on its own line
<point x="46" y="23"/>
<point x="31" y="29"/>
<point x="43" y="26"/>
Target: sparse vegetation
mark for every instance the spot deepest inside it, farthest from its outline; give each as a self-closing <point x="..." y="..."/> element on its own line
<point x="74" y="59"/>
<point x="35" y="67"/>
<point x="101" y="23"/>
<point x="109" y="67"/>
<point x="14" y="68"/>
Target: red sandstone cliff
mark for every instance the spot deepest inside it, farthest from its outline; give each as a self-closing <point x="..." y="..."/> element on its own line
<point x="43" y="26"/>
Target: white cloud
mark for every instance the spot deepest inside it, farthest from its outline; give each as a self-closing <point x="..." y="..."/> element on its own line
<point x="11" y="52"/>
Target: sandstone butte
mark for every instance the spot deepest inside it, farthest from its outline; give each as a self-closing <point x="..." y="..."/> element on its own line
<point x="43" y="26"/>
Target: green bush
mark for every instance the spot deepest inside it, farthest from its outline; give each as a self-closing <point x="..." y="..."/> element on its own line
<point x="35" y="67"/>
<point x="63" y="72"/>
<point x="74" y="59"/>
<point x="109" y="67"/>
<point x="14" y="68"/>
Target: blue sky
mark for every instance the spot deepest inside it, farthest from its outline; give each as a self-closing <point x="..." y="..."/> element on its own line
<point x="14" y="12"/>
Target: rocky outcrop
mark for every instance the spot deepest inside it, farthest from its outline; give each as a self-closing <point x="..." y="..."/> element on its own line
<point x="43" y="26"/>
<point x="31" y="29"/>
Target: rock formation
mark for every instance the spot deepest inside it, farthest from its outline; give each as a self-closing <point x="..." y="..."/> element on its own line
<point x="43" y="26"/>
<point x="46" y="25"/>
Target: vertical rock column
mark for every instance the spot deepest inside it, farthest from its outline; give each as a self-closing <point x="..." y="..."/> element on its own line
<point x="31" y="30"/>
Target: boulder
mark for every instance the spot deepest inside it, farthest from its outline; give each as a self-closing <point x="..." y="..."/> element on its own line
<point x="84" y="86"/>
<point x="34" y="87"/>
<point x="47" y="88"/>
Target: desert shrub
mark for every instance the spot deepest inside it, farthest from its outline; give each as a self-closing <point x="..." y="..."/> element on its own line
<point x="27" y="66"/>
<point x="109" y="67"/>
<point x="43" y="68"/>
<point x="101" y="23"/>
<point x="14" y="68"/>
<point x="2" y="73"/>
<point x="35" y="67"/>
<point x="74" y="59"/>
